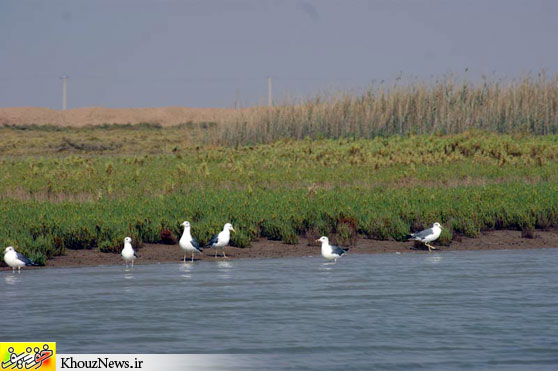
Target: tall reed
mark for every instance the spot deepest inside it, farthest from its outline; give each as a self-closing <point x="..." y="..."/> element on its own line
<point x="529" y="104"/>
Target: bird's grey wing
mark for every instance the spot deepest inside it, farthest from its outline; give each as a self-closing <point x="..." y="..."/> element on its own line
<point x="195" y="243"/>
<point x="24" y="259"/>
<point x="423" y="234"/>
<point x="337" y="250"/>
<point x="213" y="240"/>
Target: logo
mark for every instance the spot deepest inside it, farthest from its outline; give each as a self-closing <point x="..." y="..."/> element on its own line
<point x="28" y="356"/>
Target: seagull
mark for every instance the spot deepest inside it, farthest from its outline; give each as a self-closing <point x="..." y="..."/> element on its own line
<point x="188" y="243"/>
<point x="222" y="239"/>
<point x="331" y="252"/>
<point x="128" y="253"/>
<point x="428" y="235"/>
<point x="16" y="260"/>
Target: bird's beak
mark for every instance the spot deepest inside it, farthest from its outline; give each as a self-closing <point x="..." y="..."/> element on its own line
<point x="232" y="229"/>
<point x="317" y="241"/>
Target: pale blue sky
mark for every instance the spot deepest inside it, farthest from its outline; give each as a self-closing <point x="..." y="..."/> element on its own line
<point x="134" y="53"/>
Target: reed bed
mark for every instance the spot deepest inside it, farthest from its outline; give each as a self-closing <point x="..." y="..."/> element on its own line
<point x="445" y="106"/>
<point x="529" y="104"/>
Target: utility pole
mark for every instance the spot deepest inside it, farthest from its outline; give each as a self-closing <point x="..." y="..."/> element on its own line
<point x="269" y="98"/>
<point x="236" y="98"/>
<point x="64" y="79"/>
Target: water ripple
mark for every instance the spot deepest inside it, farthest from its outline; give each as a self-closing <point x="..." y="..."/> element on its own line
<point x="434" y="311"/>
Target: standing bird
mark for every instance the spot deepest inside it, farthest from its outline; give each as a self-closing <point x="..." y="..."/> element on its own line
<point x="16" y="260"/>
<point x="222" y="239"/>
<point x="331" y="252"/>
<point x="428" y="235"/>
<point x="188" y="243"/>
<point x="128" y="253"/>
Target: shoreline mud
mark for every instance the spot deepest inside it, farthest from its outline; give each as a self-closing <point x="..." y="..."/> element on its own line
<point x="159" y="253"/>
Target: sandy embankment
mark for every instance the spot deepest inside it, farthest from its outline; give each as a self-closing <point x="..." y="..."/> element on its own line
<point x="78" y="117"/>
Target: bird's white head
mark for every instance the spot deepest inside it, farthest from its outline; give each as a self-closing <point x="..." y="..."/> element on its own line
<point x="8" y="249"/>
<point x="128" y="240"/>
<point x="186" y="224"/>
<point x="437" y="225"/>
<point x="229" y="227"/>
<point x="323" y="239"/>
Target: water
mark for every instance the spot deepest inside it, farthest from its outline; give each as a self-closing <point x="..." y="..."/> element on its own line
<point x="391" y="311"/>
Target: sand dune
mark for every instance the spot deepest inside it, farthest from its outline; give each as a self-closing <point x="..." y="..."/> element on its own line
<point x="101" y="115"/>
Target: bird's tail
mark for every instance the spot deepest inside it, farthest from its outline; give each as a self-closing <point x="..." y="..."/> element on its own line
<point x="33" y="263"/>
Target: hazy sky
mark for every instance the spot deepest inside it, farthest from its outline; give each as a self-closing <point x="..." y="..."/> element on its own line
<point x="209" y="53"/>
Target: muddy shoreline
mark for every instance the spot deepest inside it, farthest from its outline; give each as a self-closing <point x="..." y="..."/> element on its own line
<point x="158" y="253"/>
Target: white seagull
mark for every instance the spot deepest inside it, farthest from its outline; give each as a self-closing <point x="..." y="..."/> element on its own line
<point x="16" y="260"/>
<point x="128" y="253"/>
<point x="428" y="235"/>
<point x="222" y="239"/>
<point x="330" y="252"/>
<point x="188" y="243"/>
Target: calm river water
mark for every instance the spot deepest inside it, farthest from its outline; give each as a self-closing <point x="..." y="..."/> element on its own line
<point x="490" y="310"/>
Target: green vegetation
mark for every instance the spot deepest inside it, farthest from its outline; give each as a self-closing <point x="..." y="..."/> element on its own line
<point x="89" y="188"/>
